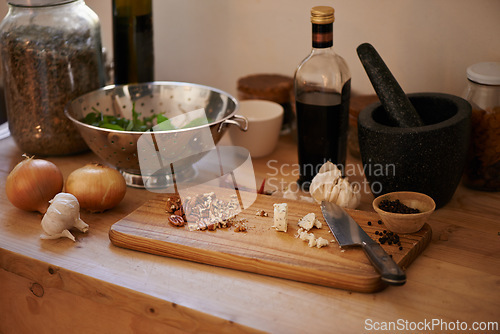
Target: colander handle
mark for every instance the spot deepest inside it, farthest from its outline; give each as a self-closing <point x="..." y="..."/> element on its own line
<point x="238" y="120"/>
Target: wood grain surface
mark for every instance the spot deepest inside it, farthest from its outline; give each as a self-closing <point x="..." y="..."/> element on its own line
<point x="91" y="286"/>
<point x="262" y="249"/>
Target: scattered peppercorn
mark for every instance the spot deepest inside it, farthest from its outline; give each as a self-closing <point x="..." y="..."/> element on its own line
<point x="388" y="237"/>
<point x="396" y="207"/>
<point x="369" y="223"/>
<point x="379" y="222"/>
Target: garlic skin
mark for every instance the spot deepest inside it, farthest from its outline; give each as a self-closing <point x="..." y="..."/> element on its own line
<point x="62" y="215"/>
<point x="328" y="185"/>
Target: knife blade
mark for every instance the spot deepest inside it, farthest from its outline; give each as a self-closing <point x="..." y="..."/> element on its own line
<point x="349" y="233"/>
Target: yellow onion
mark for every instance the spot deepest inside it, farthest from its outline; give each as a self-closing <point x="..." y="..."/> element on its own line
<point x="97" y="187"/>
<point x="33" y="183"/>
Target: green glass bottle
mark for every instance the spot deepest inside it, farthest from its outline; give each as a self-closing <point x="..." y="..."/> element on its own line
<point x="133" y="41"/>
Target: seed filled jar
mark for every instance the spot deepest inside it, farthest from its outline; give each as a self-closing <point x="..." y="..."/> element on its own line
<point x="482" y="170"/>
<point x="51" y="53"/>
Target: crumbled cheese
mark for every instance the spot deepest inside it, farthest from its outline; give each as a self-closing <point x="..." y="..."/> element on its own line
<point x="318" y="224"/>
<point x="308" y="237"/>
<point x="321" y="242"/>
<point x="303" y="235"/>
<point x="311" y="240"/>
<point x="299" y="232"/>
<point x="307" y="222"/>
<point x="280" y="217"/>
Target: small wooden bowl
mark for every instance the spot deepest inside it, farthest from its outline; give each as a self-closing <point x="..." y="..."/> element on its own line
<point x="406" y="222"/>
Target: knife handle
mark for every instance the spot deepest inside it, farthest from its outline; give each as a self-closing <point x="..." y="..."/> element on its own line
<point x="384" y="264"/>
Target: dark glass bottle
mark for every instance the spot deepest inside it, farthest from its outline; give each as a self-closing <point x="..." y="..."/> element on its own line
<point x="133" y="41"/>
<point x="322" y="87"/>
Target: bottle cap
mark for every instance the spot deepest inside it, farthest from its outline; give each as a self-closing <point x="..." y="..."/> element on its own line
<point x="487" y="73"/>
<point x="322" y="15"/>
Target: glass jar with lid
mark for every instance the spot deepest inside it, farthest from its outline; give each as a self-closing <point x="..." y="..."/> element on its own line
<point x="482" y="170"/>
<point x="51" y="53"/>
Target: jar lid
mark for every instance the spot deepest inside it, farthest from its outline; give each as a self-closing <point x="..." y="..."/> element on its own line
<point x="37" y="3"/>
<point x="487" y="73"/>
<point x="322" y="15"/>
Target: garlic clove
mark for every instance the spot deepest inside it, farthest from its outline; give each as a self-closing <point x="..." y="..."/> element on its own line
<point x="81" y="225"/>
<point x="65" y="233"/>
<point x="328" y="185"/>
<point x="62" y="215"/>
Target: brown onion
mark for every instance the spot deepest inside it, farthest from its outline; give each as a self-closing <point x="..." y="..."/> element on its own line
<point x="33" y="183"/>
<point x="97" y="187"/>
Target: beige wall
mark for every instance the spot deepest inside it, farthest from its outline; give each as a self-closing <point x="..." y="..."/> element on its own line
<point x="427" y="44"/>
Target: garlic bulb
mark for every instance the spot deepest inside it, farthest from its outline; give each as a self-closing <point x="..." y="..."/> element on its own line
<point x="328" y="185"/>
<point x="62" y="214"/>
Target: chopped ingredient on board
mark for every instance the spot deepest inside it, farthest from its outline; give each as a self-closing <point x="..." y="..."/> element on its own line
<point x="311" y="240"/>
<point x="176" y="220"/>
<point x="281" y="217"/>
<point x="240" y="226"/>
<point x="261" y="213"/>
<point x="203" y="211"/>
<point x="321" y="242"/>
<point x="309" y="221"/>
<point x="173" y="205"/>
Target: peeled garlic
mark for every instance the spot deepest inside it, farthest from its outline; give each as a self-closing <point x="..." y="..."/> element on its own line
<point x="62" y="214"/>
<point x="328" y="185"/>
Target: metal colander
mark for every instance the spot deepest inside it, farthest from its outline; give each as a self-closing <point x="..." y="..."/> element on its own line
<point x="171" y="99"/>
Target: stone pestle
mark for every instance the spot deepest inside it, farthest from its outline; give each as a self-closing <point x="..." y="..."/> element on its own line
<point x="398" y="108"/>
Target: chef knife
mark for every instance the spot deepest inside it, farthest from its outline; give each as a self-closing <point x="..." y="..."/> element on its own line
<point x="349" y="233"/>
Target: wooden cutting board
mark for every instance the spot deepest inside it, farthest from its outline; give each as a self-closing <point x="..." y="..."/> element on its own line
<point x="263" y="250"/>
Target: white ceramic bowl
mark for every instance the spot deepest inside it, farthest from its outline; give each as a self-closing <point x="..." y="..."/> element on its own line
<point x="264" y="124"/>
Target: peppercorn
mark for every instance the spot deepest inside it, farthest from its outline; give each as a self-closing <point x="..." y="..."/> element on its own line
<point x="379" y="222"/>
<point x="400" y="248"/>
<point x="396" y="207"/>
<point x="369" y="223"/>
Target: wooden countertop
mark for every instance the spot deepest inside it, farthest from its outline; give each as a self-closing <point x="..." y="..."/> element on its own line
<point x="92" y="286"/>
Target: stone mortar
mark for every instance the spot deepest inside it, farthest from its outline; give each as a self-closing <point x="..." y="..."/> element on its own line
<point x="429" y="159"/>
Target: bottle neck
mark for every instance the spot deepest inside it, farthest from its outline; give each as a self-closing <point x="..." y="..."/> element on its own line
<point x="322" y="35"/>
